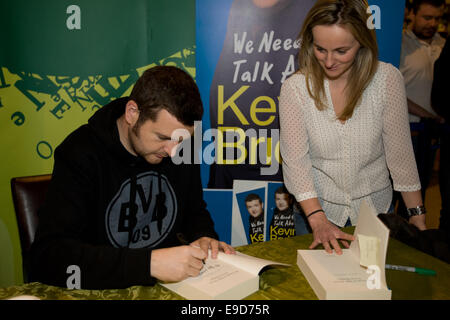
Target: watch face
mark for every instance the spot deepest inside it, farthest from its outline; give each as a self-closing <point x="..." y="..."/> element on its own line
<point x="416" y="211"/>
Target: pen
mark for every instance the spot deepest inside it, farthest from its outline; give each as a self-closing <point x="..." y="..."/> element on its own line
<point x="427" y="272"/>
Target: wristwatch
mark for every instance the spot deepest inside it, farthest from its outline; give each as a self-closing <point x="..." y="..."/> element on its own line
<point x="417" y="211"/>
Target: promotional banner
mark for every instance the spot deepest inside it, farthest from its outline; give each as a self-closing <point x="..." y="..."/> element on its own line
<point x="257" y="54"/>
<point x="60" y="61"/>
<point x="245" y="49"/>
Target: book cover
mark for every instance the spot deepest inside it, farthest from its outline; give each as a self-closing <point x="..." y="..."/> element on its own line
<point x="281" y="211"/>
<point x="263" y="211"/>
<point x="249" y="214"/>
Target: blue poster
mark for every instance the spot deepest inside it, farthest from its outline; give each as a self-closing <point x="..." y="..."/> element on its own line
<point x="245" y="49"/>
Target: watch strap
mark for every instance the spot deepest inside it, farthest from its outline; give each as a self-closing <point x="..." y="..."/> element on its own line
<point x="416" y="211"/>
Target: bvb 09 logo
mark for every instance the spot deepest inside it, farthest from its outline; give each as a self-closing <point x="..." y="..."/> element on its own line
<point x="142" y="212"/>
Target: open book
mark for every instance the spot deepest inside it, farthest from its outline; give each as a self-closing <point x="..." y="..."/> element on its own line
<point x="229" y="277"/>
<point x="359" y="273"/>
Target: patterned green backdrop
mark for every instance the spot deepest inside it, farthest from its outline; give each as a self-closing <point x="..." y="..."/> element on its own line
<point x="62" y="60"/>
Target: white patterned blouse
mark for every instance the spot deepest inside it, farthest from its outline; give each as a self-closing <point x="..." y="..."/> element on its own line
<point x="342" y="164"/>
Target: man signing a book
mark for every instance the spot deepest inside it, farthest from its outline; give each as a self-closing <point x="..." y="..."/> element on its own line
<point x="117" y="207"/>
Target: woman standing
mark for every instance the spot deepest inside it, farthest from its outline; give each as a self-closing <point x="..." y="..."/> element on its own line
<point x="344" y="125"/>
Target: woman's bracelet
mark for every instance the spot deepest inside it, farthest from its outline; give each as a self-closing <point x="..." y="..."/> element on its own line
<point x="314" y="212"/>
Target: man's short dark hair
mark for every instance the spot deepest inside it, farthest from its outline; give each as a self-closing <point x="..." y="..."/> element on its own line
<point x="169" y="88"/>
<point x="282" y="190"/>
<point x="435" y="3"/>
<point x="253" y="196"/>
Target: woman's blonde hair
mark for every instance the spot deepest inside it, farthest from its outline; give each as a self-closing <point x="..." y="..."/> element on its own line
<point x="351" y="14"/>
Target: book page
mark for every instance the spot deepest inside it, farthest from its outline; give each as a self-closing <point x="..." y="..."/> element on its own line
<point x="216" y="272"/>
<point x="215" y="279"/>
<point x="369" y="248"/>
<point x="370" y="226"/>
<point x="218" y="276"/>
<point x="248" y="263"/>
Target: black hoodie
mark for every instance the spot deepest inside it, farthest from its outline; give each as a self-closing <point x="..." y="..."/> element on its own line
<point x="99" y="193"/>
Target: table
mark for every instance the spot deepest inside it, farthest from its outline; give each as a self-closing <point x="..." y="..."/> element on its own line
<point x="286" y="283"/>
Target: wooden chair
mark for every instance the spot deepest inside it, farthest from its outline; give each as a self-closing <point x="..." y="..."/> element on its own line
<point x="28" y="195"/>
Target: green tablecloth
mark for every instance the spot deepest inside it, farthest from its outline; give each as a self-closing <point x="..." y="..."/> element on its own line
<point x="286" y="283"/>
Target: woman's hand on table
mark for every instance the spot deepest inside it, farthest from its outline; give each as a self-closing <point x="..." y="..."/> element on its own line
<point x="328" y="234"/>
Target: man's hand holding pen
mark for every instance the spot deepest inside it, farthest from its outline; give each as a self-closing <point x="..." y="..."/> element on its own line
<point x="178" y="263"/>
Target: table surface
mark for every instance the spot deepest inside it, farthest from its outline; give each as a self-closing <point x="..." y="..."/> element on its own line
<point x="287" y="283"/>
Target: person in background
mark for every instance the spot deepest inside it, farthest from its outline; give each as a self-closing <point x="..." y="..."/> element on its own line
<point x="421" y="46"/>
<point x="344" y="125"/>
<point x="117" y="207"/>
<point x="441" y="104"/>
<point x="409" y="16"/>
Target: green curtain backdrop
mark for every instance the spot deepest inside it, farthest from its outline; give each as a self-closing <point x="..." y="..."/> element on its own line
<point x="62" y="60"/>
